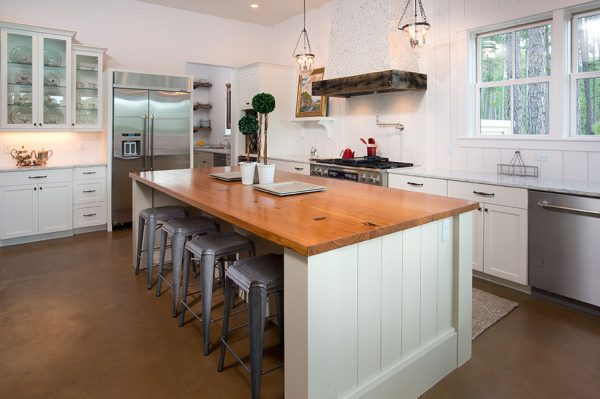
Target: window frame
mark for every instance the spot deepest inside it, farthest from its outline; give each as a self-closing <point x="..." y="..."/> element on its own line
<point x="575" y="75"/>
<point x="512" y="82"/>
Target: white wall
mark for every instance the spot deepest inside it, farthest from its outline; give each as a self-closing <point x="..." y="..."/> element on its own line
<point x="436" y="120"/>
<point x="216" y="95"/>
<point x="138" y="36"/>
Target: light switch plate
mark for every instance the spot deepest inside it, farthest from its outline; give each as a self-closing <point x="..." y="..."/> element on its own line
<point x="445" y="229"/>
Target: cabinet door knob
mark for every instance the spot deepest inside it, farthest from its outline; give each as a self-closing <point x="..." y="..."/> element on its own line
<point x="35" y="189"/>
<point x="72" y="124"/>
<point x="479" y="209"/>
<point x="486" y="209"/>
<point x="35" y="124"/>
<point x="40" y="188"/>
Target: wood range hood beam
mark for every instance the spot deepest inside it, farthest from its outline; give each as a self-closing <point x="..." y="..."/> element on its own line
<point x="371" y="83"/>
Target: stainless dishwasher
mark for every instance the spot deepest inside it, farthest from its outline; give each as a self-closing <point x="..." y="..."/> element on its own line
<point x="564" y="245"/>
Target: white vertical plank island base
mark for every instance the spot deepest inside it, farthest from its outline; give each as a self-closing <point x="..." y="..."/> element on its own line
<point x="377" y="293"/>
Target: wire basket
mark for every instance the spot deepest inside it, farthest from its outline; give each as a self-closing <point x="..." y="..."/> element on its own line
<point x="517" y="167"/>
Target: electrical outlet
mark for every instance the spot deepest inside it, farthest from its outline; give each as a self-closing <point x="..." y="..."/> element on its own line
<point x="543" y="157"/>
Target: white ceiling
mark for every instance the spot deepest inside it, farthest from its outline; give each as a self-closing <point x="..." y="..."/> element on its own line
<point x="268" y="13"/>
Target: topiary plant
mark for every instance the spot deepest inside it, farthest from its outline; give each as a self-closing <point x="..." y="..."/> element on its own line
<point x="248" y="126"/>
<point x="264" y="104"/>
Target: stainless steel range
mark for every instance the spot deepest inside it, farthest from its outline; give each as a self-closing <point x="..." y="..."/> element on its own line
<point x="368" y="170"/>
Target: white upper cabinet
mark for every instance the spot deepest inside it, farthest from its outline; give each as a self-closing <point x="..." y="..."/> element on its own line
<point x="36" y="79"/>
<point x="46" y="83"/>
<point x="87" y="87"/>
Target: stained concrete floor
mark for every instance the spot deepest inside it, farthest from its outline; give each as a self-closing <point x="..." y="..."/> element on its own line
<point x="76" y="323"/>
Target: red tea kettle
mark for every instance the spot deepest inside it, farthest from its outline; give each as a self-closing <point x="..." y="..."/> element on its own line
<point x="347" y="154"/>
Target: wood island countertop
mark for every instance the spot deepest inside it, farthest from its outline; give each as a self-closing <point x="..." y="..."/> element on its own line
<point x="346" y="213"/>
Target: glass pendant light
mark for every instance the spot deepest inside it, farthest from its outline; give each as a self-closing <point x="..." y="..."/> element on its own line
<point x="304" y="57"/>
<point x="416" y="29"/>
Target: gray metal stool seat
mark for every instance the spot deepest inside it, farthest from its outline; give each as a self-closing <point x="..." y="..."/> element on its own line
<point x="180" y="230"/>
<point x="208" y="249"/>
<point x="258" y="277"/>
<point x="150" y="219"/>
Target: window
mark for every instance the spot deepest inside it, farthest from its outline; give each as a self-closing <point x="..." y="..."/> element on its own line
<point x="585" y="81"/>
<point x="513" y="81"/>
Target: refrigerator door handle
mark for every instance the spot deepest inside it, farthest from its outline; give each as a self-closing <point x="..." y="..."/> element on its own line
<point x="145" y="138"/>
<point x="152" y="142"/>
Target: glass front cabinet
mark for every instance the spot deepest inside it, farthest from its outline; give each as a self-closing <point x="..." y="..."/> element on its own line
<point x="46" y="83"/>
<point x="87" y="87"/>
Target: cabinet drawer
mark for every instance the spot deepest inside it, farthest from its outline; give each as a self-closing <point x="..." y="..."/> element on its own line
<point x="293" y="167"/>
<point x="88" y="191"/>
<point x="92" y="172"/>
<point x="498" y="195"/>
<point x="89" y="215"/>
<point x="36" y="176"/>
<point x="419" y="184"/>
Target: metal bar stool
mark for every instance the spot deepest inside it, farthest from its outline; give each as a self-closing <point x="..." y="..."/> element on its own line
<point x="180" y="231"/>
<point x="258" y="277"/>
<point x="208" y="249"/>
<point x="150" y="219"/>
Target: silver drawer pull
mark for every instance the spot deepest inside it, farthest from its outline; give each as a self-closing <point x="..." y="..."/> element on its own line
<point x="89" y="173"/>
<point x="410" y="183"/>
<point x="87" y="215"/>
<point x="37" y="177"/>
<point x="298" y="168"/>
<point x="483" y="194"/>
<point x="545" y="204"/>
<point x="89" y="191"/>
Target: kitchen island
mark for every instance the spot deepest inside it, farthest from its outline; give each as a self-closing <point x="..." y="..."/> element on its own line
<point x="377" y="281"/>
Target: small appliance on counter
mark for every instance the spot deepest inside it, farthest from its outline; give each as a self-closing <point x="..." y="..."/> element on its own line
<point x="369" y="170"/>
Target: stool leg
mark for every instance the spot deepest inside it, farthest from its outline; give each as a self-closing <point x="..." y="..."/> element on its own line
<point x="177" y="246"/>
<point x="140" y="241"/>
<point x="150" y="232"/>
<point x="226" y="312"/>
<point x="257" y="300"/>
<point x="161" y="260"/>
<point x="186" y="279"/>
<point x="280" y="320"/>
<point x="207" y="272"/>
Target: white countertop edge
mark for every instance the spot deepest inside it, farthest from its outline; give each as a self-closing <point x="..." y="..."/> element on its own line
<point x="50" y="167"/>
<point x="530" y="183"/>
<point x="213" y="150"/>
<point x="290" y="158"/>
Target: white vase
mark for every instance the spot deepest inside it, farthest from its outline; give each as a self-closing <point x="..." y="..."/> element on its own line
<point x="266" y="173"/>
<point x="248" y="170"/>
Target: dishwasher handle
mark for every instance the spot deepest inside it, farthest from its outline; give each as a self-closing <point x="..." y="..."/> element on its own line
<point x="547" y="205"/>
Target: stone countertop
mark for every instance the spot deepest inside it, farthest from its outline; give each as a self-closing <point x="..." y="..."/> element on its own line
<point x="310" y="223"/>
<point x="291" y="158"/>
<point x="589" y="189"/>
<point x="213" y="150"/>
<point x="50" y="167"/>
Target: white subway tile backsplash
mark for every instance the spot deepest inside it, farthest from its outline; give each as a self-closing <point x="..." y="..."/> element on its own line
<point x="491" y="159"/>
<point x="594" y="167"/>
<point x="550" y="163"/>
<point x="475" y="160"/>
<point x="575" y="166"/>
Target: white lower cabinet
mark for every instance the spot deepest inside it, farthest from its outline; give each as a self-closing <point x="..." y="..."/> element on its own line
<point x="55" y="207"/>
<point x="43" y="201"/>
<point x="505" y="242"/>
<point x="419" y="184"/>
<point x="35" y="209"/>
<point x="18" y="211"/>
<point x="292" y="167"/>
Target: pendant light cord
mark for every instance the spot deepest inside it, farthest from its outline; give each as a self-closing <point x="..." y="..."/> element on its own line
<point x="304" y="34"/>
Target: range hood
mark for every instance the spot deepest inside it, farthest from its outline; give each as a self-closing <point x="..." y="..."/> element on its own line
<point x="367" y="53"/>
<point x="391" y="80"/>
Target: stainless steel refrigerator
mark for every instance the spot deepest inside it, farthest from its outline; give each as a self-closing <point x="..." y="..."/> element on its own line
<point x="151" y="131"/>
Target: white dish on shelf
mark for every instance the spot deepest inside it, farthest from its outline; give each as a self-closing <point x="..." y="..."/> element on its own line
<point x="23" y="77"/>
<point x="20" y="116"/>
<point x="52" y="58"/>
<point x="20" y="55"/>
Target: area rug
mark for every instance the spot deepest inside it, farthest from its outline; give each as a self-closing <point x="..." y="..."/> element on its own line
<point x="487" y="310"/>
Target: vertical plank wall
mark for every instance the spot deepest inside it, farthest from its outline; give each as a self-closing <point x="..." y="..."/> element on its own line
<point x="375" y="306"/>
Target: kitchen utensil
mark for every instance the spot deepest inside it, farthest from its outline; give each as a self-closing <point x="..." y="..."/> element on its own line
<point x="42" y="156"/>
<point x="347" y="153"/>
<point x="363" y="140"/>
<point x="52" y="58"/>
<point x="20" y="55"/>
<point x="22" y="156"/>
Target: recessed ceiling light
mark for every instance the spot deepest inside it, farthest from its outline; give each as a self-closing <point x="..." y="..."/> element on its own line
<point x="254" y="5"/>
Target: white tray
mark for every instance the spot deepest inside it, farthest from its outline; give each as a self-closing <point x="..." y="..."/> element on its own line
<point x="227" y="176"/>
<point x="285" y="188"/>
